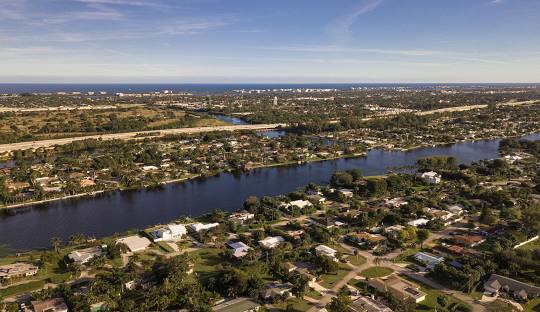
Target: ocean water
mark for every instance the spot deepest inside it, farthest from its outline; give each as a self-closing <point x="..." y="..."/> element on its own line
<point x="14" y="88"/>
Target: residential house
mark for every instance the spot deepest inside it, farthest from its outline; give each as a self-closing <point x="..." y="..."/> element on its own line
<point x="431" y="177"/>
<point x="18" y="269"/>
<point x="239" y="249"/>
<point x="418" y="222"/>
<point x="347" y="192"/>
<point x="498" y="283"/>
<point x="468" y="240"/>
<point x="271" y="242"/>
<point x="428" y="260"/>
<point x="456" y="209"/>
<point x="170" y="232"/>
<point x="366" y="239"/>
<point x="394" y="230"/>
<point x="82" y="256"/>
<point x="197" y="227"/>
<point x="242" y="304"/>
<point x="276" y="289"/>
<point x="50" y="305"/>
<point x="366" y="304"/>
<point x="135" y="243"/>
<point x="399" y="288"/>
<point x="241" y="217"/>
<point x="323" y="250"/>
<point x="395" y="202"/>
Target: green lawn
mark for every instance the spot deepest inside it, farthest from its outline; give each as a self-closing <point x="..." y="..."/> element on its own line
<point x="163" y="246"/>
<point x="11" y="291"/>
<point x="206" y="261"/>
<point x="299" y="305"/>
<point x="356" y="260"/>
<point x="328" y="280"/>
<point x="532" y="306"/>
<point x="376" y="271"/>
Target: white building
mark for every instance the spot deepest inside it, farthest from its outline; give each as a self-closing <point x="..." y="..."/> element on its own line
<point x="82" y="256"/>
<point x="418" y="222"/>
<point x="431" y="177"/>
<point x="197" y="227"/>
<point x="347" y="192"/>
<point x="170" y="232"/>
<point x="271" y="242"/>
<point x="323" y="250"/>
<point x="299" y="204"/>
<point x="135" y="243"/>
<point x="430" y="261"/>
<point x="456" y="209"/>
<point x="239" y="249"/>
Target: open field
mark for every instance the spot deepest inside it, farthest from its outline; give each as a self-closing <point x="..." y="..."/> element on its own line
<point x="133" y="135"/>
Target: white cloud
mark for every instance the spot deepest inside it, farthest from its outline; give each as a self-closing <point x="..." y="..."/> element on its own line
<point x="341" y="26"/>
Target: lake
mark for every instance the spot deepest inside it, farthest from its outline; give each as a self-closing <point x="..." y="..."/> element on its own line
<point x="116" y="212"/>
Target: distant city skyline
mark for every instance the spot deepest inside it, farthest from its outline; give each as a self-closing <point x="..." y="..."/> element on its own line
<point x="280" y="41"/>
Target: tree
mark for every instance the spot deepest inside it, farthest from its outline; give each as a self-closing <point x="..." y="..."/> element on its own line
<point x="341" y="303"/>
<point x="422" y="235"/>
<point x="341" y="179"/>
<point x="442" y="300"/>
<point x="55" y="243"/>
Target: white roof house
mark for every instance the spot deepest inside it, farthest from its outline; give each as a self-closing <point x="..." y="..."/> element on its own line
<point x="456" y="209"/>
<point x="197" y="227"/>
<point x="239" y="249"/>
<point x="430" y="261"/>
<point x="271" y="242"/>
<point x="300" y="203"/>
<point x="418" y="222"/>
<point x="323" y="250"/>
<point x="431" y="177"/>
<point x="82" y="256"/>
<point x="135" y="243"/>
<point x="347" y="192"/>
<point x="169" y="233"/>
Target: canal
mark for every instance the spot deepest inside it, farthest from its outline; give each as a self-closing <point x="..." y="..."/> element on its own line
<point x="116" y="212"/>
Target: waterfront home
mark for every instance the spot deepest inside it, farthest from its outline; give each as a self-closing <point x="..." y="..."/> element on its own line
<point x="82" y="256"/>
<point x="498" y="283"/>
<point x="86" y="183"/>
<point x="242" y="304"/>
<point x="431" y="177"/>
<point x="429" y="260"/>
<point x="134" y="243"/>
<point x="241" y="217"/>
<point x="347" y="192"/>
<point x="301" y="204"/>
<point x="418" y="222"/>
<point x="197" y="227"/>
<point x="50" y="305"/>
<point x="276" y="289"/>
<point x="399" y="288"/>
<point x="18" y="269"/>
<point x="239" y="249"/>
<point x="323" y="250"/>
<point x="453" y="251"/>
<point x="170" y="232"/>
<point x="271" y="242"/>
<point x="366" y="304"/>
<point x="468" y="240"/>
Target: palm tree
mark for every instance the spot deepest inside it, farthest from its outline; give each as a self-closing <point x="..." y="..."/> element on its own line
<point x="56" y="242"/>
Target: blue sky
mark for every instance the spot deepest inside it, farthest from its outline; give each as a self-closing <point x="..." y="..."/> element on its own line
<point x="269" y="41"/>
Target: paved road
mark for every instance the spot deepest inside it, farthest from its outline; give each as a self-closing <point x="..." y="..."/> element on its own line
<point x="133" y="135"/>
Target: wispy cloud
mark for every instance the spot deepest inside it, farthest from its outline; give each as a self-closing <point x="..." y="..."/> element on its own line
<point x="455" y="56"/>
<point x="139" y="3"/>
<point x="341" y="26"/>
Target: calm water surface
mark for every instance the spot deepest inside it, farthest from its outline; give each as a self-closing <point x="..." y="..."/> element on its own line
<point x="116" y="212"/>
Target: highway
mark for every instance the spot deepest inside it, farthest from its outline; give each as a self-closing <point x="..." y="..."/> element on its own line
<point x="133" y="136"/>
